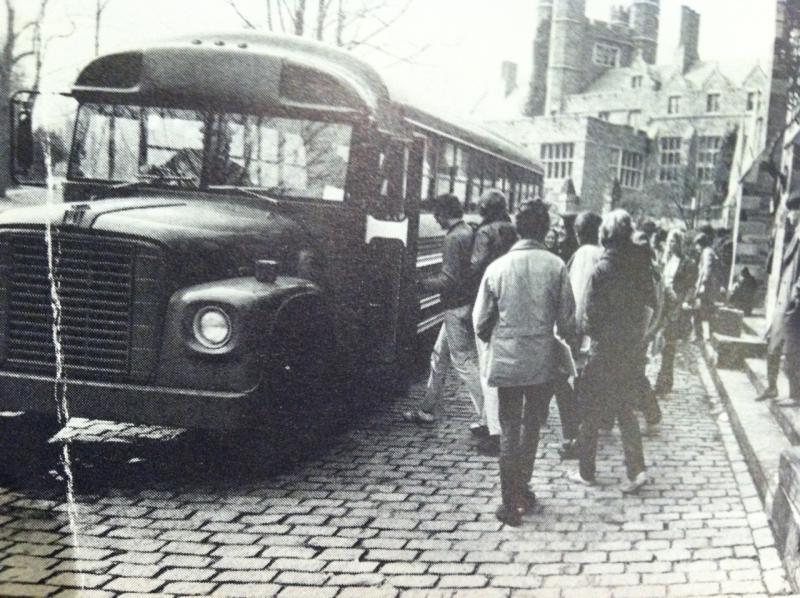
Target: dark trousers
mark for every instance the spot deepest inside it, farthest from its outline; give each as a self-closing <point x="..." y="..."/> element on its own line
<point x="567" y="402"/>
<point x="774" y="367"/>
<point x="523" y="409"/>
<point x="611" y="386"/>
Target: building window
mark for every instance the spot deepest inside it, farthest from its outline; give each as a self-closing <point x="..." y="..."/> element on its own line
<point x="631" y="170"/>
<point x="674" y="105"/>
<point x="707" y="157"/>
<point x="627" y="168"/>
<point x="636" y="81"/>
<point x="669" y="159"/>
<point x="712" y="102"/>
<point x="605" y="55"/>
<point x="635" y="118"/>
<point x="557" y="159"/>
<point x="753" y="100"/>
<point x="613" y="163"/>
<point x="604" y="115"/>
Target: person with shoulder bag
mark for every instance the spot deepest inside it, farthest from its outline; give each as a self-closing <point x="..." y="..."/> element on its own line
<point x="493" y="238"/>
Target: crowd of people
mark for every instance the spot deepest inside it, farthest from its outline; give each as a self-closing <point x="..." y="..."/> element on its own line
<point x="532" y="313"/>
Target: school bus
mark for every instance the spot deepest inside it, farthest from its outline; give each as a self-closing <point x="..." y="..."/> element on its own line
<point x="243" y="225"/>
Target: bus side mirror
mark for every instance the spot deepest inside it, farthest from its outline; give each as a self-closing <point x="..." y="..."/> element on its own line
<point x="41" y="127"/>
<point x="23" y="143"/>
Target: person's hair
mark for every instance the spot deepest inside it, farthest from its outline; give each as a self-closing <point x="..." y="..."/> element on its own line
<point x="745" y="272"/>
<point x="648" y="227"/>
<point x="447" y="206"/>
<point x="533" y="219"/>
<point x="703" y="240"/>
<point x="708" y="231"/>
<point x="616" y="229"/>
<point x="677" y="234"/>
<point x="587" y="225"/>
<point x="492" y="206"/>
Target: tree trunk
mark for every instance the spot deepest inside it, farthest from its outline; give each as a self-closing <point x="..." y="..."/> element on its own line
<point x="98" y="13"/>
<point x="320" y="19"/>
<point x="300" y="18"/>
<point x="6" y="66"/>
<point x="339" y="22"/>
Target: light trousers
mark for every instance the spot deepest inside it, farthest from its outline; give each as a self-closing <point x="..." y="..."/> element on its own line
<point x="454" y="347"/>
<point x="490" y="416"/>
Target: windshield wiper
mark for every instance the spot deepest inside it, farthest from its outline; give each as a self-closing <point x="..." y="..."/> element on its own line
<point x="146" y="182"/>
<point x="247" y="191"/>
<point x="112" y="190"/>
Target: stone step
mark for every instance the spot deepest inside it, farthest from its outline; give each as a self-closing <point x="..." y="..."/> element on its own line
<point x="756" y="224"/>
<point x="754" y="325"/>
<point x="770" y="456"/>
<point x="786" y="414"/>
<point x="733" y="350"/>
<point x="760" y="436"/>
<point x="727" y="321"/>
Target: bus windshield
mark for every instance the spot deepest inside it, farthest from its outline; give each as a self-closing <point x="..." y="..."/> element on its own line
<point x="193" y="149"/>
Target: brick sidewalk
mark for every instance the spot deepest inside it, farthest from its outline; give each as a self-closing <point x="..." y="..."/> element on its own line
<point x="393" y="509"/>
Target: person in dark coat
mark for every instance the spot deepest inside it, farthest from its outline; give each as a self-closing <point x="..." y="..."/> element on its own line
<point x="493" y="238"/>
<point x="743" y="293"/>
<point x="566" y="398"/>
<point x="455" y="345"/>
<point x="620" y="301"/>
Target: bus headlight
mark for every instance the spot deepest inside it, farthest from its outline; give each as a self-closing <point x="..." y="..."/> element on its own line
<point x="212" y="327"/>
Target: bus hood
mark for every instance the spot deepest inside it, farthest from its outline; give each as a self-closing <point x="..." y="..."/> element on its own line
<point x="206" y="238"/>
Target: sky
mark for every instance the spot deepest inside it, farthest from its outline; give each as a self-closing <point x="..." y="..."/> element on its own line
<point x="456" y="46"/>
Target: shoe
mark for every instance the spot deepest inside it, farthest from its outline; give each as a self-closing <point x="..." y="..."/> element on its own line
<point x="575" y="476"/>
<point x="769" y="393"/>
<point x="569" y="450"/>
<point x="652" y="429"/>
<point x="663" y="387"/>
<point x="419" y="417"/>
<point x="479" y="430"/>
<point x="527" y="502"/>
<point x="489" y="446"/>
<point x="631" y="486"/>
<point x="508" y="516"/>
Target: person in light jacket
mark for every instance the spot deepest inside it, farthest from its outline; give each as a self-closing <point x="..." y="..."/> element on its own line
<point x="522" y="298"/>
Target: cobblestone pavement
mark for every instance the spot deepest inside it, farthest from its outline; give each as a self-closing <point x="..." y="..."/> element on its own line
<point x="388" y="509"/>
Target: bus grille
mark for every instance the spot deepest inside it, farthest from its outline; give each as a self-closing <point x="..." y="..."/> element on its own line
<point x="99" y="334"/>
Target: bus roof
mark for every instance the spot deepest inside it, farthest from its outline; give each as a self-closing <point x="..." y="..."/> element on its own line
<point x="231" y="67"/>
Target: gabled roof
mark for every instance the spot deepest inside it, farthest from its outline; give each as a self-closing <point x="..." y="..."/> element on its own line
<point x="698" y="76"/>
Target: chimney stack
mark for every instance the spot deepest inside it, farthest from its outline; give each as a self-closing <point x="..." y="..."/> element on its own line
<point x="688" y="52"/>
<point x="508" y="71"/>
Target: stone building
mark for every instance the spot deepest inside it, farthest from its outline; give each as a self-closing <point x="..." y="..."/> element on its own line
<point x="602" y="113"/>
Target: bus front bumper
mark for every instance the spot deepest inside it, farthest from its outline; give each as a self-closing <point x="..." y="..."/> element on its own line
<point x="133" y="403"/>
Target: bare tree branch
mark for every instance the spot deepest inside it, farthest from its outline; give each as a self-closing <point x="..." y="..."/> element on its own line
<point x="20" y="56"/>
<point x="21" y="30"/>
<point x="247" y="22"/>
<point x="384" y="24"/>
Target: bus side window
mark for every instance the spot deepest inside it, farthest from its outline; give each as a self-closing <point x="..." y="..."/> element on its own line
<point x="394" y="173"/>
